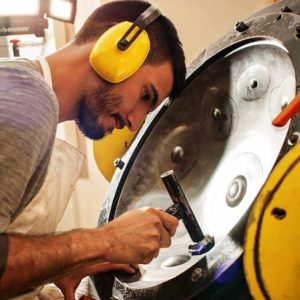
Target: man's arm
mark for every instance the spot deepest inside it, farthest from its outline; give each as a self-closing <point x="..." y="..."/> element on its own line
<point x="135" y="237"/>
<point x="3" y="251"/>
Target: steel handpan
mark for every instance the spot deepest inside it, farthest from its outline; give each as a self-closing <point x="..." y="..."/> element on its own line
<point x="219" y="139"/>
<point x="224" y="160"/>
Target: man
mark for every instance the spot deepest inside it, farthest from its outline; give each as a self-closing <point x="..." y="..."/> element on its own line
<point x="31" y="197"/>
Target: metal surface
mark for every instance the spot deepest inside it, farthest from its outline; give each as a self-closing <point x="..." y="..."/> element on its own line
<point x="205" y="245"/>
<point x="219" y="139"/>
<point x="245" y="145"/>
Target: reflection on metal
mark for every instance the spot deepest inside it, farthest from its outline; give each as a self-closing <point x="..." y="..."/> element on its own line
<point x="175" y="261"/>
<point x="177" y="151"/>
<point x="177" y="154"/>
<point x="217" y="110"/>
<point x="254" y="82"/>
<point x="200" y="248"/>
<point x="219" y="116"/>
<point x="198" y="273"/>
<point x="236" y="191"/>
<point x="219" y="139"/>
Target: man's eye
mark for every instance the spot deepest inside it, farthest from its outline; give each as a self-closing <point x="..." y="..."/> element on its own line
<point x="146" y="95"/>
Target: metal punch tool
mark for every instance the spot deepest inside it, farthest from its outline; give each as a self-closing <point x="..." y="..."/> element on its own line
<point x="182" y="211"/>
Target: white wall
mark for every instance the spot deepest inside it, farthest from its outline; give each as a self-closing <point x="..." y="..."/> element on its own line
<point x="199" y="23"/>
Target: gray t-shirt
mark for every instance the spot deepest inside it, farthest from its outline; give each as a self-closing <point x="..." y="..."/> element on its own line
<point x="28" y="120"/>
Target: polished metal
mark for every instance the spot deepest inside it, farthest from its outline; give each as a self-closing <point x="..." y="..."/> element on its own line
<point x="224" y="163"/>
<point x="219" y="139"/>
<point x="236" y="191"/>
<point x="175" y="261"/>
<point x="197" y="274"/>
<point x="293" y="138"/>
<point x="240" y="26"/>
<point x="177" y="154"/>
<point x="254" y="82"/>
<point x="200" y="248"/>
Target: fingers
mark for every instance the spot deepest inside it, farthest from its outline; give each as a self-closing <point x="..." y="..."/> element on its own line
<point x="165" y="238"/>
<point x="169" y="222"/>
<point x="167" y="226"/>
<point x="107" y="266"/>
<point x="123" y="267"/>
<point x="137" y="235"/>
<point x="135" y="266"/>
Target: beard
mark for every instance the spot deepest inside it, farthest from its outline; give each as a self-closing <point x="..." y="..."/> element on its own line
<point x="94" y="106"/>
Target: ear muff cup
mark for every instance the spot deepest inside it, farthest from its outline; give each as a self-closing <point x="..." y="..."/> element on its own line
<point x="113" y="64"/>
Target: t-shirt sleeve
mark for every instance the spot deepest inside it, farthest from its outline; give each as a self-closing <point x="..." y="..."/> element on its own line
<point x="27" y="120"/>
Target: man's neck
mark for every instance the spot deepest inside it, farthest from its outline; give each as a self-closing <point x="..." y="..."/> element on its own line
<point x="71" y="77"/>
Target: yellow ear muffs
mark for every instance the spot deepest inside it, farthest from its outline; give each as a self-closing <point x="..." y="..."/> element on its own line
<point x="111" y="147"/>
<point x="113" y="64"/>
<point x="123" y="48"/>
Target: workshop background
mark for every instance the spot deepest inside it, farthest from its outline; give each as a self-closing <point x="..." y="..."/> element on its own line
<point x="199" y="23"/>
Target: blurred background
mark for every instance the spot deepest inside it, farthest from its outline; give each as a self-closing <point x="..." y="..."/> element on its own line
<point x="199" y="23"/>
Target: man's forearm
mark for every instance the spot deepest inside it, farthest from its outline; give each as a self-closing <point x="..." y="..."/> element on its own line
<point x="3" y="251"/>
<point x="34" y="260"/>
<point x="132" y="238"/>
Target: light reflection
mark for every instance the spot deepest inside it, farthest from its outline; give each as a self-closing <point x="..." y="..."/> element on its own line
<point x="60" y="9"/>
<point x="19" y="7"/>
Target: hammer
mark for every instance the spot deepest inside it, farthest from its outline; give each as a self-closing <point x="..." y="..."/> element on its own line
<point x="182" y="210"/>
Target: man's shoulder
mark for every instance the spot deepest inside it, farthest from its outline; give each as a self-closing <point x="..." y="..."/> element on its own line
<point x="24" y="91"/>
<point x="17" y="63"/>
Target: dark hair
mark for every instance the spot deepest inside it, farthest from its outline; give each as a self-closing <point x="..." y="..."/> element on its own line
<point x="164" y="41"/>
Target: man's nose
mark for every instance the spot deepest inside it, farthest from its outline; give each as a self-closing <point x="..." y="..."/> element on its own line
<point x="135" y="118"/>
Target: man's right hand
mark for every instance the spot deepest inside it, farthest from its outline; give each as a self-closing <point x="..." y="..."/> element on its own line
<point x="136" y="236"/>
<point x="133" y="238"/>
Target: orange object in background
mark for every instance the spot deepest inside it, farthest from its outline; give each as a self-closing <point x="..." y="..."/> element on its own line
<point x="288" y="112"/>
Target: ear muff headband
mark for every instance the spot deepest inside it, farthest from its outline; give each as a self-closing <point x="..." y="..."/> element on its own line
<point x="147" y="17"/>
<point x="122" y="49"/>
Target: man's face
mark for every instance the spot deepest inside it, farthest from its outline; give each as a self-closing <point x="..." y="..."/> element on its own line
<point x="126" y="103"/>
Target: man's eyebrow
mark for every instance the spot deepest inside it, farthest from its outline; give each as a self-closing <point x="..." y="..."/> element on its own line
<point x="155" y="95"/>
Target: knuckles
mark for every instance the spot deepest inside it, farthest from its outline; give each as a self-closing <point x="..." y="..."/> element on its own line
<point x="145" y="233"/>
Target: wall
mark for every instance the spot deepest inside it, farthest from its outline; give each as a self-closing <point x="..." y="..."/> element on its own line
<point x="199" y="23"/>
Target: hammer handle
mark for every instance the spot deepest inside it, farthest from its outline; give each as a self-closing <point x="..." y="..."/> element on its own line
<point x="179" y="199"/>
